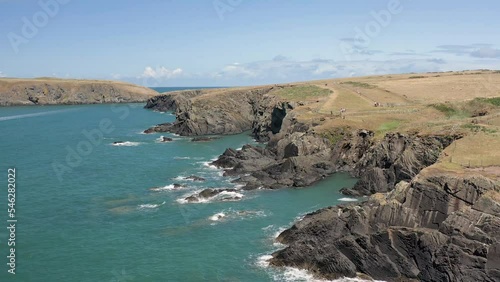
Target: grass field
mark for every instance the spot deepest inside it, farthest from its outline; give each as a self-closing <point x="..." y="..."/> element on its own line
<point x="302" y="92"/>
<point x="466" y="103"/>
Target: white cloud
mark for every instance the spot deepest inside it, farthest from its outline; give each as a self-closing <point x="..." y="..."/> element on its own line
<point x="486" y="52"/>
<point x="237" y="70"/>
<point x="2" y="74"/>
<point x="277" y="71"/>
<point x="161" y="73"/>
<point x="473" y="50"/>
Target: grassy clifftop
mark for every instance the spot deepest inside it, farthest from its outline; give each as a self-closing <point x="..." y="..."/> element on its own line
<point x="51" y="91"/>
<point x="450" y="103"/>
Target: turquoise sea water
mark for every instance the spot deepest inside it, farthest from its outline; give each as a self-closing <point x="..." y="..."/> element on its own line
<point x="85" y="210"/>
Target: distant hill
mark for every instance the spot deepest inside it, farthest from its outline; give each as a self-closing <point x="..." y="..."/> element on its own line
<point x="55" y="91"/>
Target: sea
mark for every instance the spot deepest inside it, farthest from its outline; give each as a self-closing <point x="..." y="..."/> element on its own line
<point x="85" y="208"/>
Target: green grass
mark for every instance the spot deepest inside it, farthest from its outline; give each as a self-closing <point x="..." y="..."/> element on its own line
<point x="493" y="101"/>
<point x="478" y="128"/>
<point x="451" y="111"/>
<point x="388" y="127"/>
<point x="302" y="92"/>
<point x="416" y="77"/>
<point x="359" y="84"/>
<point x="336" y="135"/>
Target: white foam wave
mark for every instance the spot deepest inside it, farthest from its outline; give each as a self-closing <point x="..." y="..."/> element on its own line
<point x="181" y="178"/>
<point x="291" y="274"/>
<point x="348" y="200"/>
<point x="151" y="206"/>
<point x="295" y="275"/>
<point x="263" y="261"/>
<point x="209" y="165"/>
<point x="165" y="188"/>
<point x="277" y="233"/>
<point x="127" y="144"/>
<point x="217" y="216"/>
<point x="225" y="196"/>
<point x="182" y="158"/>
<point x="229" y="196"/>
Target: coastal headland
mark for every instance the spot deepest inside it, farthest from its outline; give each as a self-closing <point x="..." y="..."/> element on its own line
<point x="55" y="91"/>
<point x="426" y="150"/>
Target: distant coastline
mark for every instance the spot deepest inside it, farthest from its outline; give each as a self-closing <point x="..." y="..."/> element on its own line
<point x="172" y="89"/>
<point x="55" y="91"/>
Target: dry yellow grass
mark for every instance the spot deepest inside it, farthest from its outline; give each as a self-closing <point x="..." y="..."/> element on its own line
<point x="475" y="150"/>
<point x="449" y="87"/>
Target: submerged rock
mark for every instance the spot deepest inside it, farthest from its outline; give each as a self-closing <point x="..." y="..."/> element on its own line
<point x="160" y="128"/>
<point x="204" y="139"/>
<point x="195" y="178"/>
<point x="164" y="139"/>
<point x="223" y="195"/>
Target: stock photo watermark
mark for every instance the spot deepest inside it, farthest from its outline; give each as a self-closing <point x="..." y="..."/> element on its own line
<point x="363" y="36"/>
<point x="222" y="7"/>
<point x="33" y="24"/>
<point x="75" y="155"/>
<point x="12" y="220"/>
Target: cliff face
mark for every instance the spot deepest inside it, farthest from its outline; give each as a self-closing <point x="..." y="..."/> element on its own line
<point x="204" y="112"/>
<point x="439" y="227"/>
<point x="169" y="101"/>
<point x="397" y="157"/>
<point x="57" y="91"/>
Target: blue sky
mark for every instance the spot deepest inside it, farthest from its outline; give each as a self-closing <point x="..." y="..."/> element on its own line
<point x="243" y="42"/>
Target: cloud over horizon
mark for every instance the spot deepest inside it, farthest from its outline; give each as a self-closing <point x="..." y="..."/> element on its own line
<point x="281" y="69"/>
<point x="472" y="50"/>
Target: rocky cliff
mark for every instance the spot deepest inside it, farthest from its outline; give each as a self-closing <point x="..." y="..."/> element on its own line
<point x="419" y="224"/>
<point x="232" y="111"/>
<point x="58" y="91"/>
<point x="438" y="227"/>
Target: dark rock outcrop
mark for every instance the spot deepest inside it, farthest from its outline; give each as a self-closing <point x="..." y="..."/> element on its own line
<point x="204" y="139"/>
<point x="223" y="195"/>
<point x="201" y="112"/>
<point x="168" y="102"/>
<point x="396" y="158"/>
<point x="195" y="178"/>
<point x="439" y="227"/>
<point x="160" y="128"/>
<point x="164" y="139"/>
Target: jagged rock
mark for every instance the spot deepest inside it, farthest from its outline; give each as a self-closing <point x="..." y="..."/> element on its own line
<point x="211" y="193"/>
<point x="442" y="236"/>
<point x="164" y="139"/>
<point x="168" y="102"/>
<point x="396" y="158"/>
<point x="160" y="128"/>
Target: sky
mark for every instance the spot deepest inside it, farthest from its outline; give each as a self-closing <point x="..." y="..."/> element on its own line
<point x="244" y="42"/>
